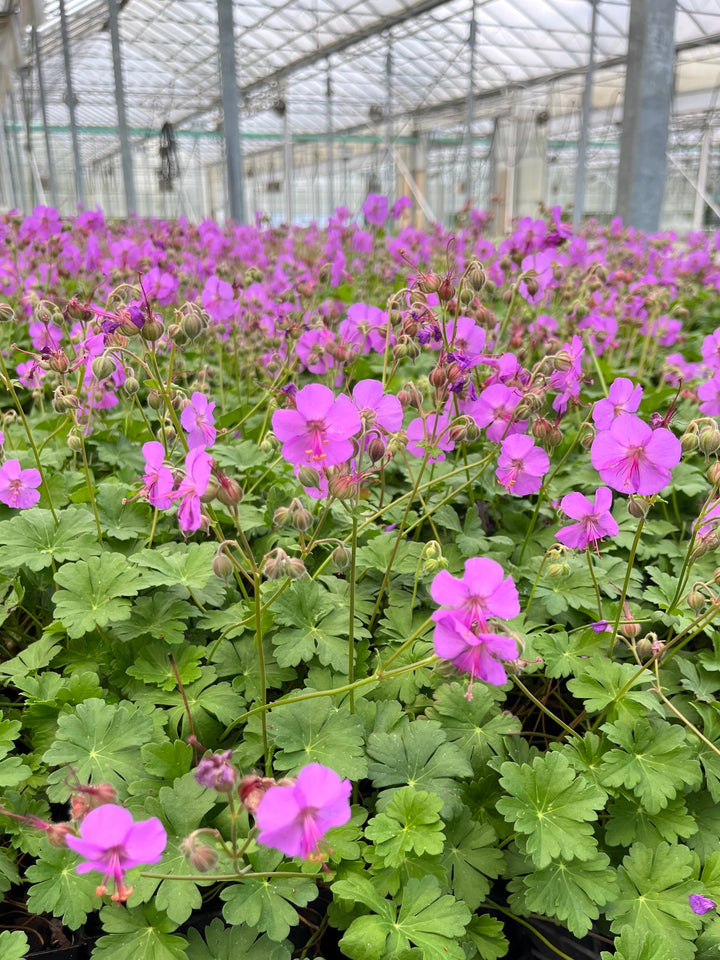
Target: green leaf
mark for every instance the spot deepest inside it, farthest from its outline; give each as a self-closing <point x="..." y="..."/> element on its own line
<point x="120" y="520"/>
<point x="476" y="726"/>
<point x="316" y="731"/>
<point x="634" y="945"/>
<point x="411" y="823"/>
<point x="600" y="684"/>
<point x="267" y="904"/>
<point x="472" y="859"/>
<point x="486" y="936"/>
<point x="57" y="888"/>
<point x="13" y="945"/>
<point x="566" y="654"/>
<point x="233" y="943"/>
<point x="37" y="656"/>
<point x="33" y="540"/>
<point x="653" y="897"/>
<point x="419" y="756"/>
<point x="12" y="769"/>
<point x="428" y="920"/>
<point x="552" y="805"/>
<point x="94" y="592"/>
<point x="101" y="742"/>
<point x="572" y="891"/>
<point x="630" y="821"/>
<point x="162" y="616"/>
<point x="653" y="761"/>
<point x="153" y="665"/>
<point x="139" y="934"/>
<point x="184" y="565"/>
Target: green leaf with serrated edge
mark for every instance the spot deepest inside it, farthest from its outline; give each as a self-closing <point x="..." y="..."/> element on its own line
<point x="183" y="807"/>
<point x="187" y="566"/>
<point x="36" y="656"/>
<point x="34" y="539"/>
<point x="710" y="876"/>
<point x="411" y="822"/>
<point x="584" y="754"/>
<point x="120" y="520"/>
<point x="233" y="943"/>
<point x="94" y="592"/>
<point x="485" y="935"/>
<point x="634" y="945"/>
<point x="162" y="616"/>
<point x="703" y="684"/>
<point x="630" y="821"/>
<point x="654" y="886"/>
<point x="316" y="731"/>
<point x="654" y="761"/>
<point x="708" y="757"/>
<point x="552" y="805"/>
<point x="143" y="933"/>
<point x="565" y="654"/>
<point x="472" y="859"/>
<point x="428" y="920"/>
<point x="13" y="944"/>
<point x="57" y="888"/>
<point x="167" y="760"/>
<point x="600" y="686"/>
<point x="153" y="665"/>
<point x="268" y="904"/>
<point x="476" y="726"/>
<point x="12" y="769"/>
<point x="705" y="814"/>
<point x="572" y="891"/>
<point x="8" y="870"/>
<point x="418" y="756"/>
<point x="101" y="742"/>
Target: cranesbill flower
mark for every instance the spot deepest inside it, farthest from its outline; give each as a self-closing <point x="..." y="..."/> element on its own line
<point x="377" y="408"/>
<point x="632" y="458"/>
<point x="495" y="409"/>
<point x="472" y="649"/>
<point x="429" y="434"/>
<point x="112" y="843"/>
<point x="709" y="393"/>
<point x="596" y="521"/>
<point x="197" y="419"/>
<point x="158" y="479"/>
<point x="623" y="397"/>
<point x="317" y="433"/>
<point x="375" y="209"/>
<point x="483" y="591"/>
<point x="198" y="465"/>
<point x="521" y="465"/>
<point x="18" y="488"/>
<point x="295" y="818"/>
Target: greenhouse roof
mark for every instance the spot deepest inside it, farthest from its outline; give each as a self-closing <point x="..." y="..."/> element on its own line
<point x="286" y="49"/>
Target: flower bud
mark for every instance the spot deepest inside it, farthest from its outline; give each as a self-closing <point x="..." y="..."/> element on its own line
<point x="295" y="568"/>
<point x="446" y="291"/>
<point x="210" y="491"/>
<point x="56" y="833"/>
<point x="437" y="376"/>
<point x="103" y="367"/>
<point x="713" y="473"/>
<point x="74" y="440"/>
<point x="131" y="386"/>
<point x="269" y="443"/>
<point x="562" y="361"/>
<point x="155" y="401"/>
<point x="630" y="630"/>
<point x="309" y="477"/>
<point x="217" y="772"/>
<point x="557" y="570"/>
<point x="343" y="487"/>
<point x="637" y="507"/>
<point x="376" y="449"/>
<point x="476" y="276"/>
<point x="229" y="491"/>
<point x="191" y="326"/>
<point x="341" y="557"/>
<point x="151" y="330"/>
<point x="222" y="565"/>
<point x="709" y="440"/>
<point x="429" y="284"/>
<point x="696" y="601"/>
<point x="465" y="296"/>
<point x="281" y="517"/>
<point x="251" y="790"/>
<point x="302" y="519"/>
<point x="200" y="856"/>
<point x="644" y="646"/>
<point x="689" y="442"/>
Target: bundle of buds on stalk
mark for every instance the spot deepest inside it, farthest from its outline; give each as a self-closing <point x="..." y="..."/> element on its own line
<point x="295" y="514"/>
<point x="558" y="565"/>
<point x="277" y="564"/>
<point x="433" y="558"/>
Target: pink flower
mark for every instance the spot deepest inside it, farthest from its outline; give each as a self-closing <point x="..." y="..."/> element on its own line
<point x="596" y="521"/>
<point x="18" y="488"/>
<point x="158" y="479"/>
<point x="295" y="818"/>
<point x="375" y="209"/>
<point x="317" y="433"/>
<point x="472" y="649"/>
<point x="218" y="298"/>
<point x="313" y="350"/>
<point x="521" y="465"/>
<point x="197" y="419"/>
<point x="112" y="843"/>
<point x="482" y="592"/>
<point x="495" y="409"/>
<point x="700" y="904"/>
<point x="623" y="397"/>
<point x="709" y="393"/>
<point x="377" y="408"/>
<point x="429" y="434"/>
<point x="198" y="465"/>
<point x="632" y="458"/>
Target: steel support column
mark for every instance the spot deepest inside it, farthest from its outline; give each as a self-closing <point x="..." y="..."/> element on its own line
<point x="330" y="142"/>
<point x="43" y="109"/>
<point x="581" y="174"/>
<point x="470" y="108"/>
<point x="22" y="191"/>
<point x="8" y="177"/>
<point x="702" y="177"/>
<point x="125" y="153"/>
<point x="231" y="110"/>
<point x="646" y="113"/>
<point x="389" y="120"/>
<point x="288" y="166"/>
<point x="70" y="94"/>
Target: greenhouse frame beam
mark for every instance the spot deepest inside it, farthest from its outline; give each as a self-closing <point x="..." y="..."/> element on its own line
<point x="43" y="110"/>
<point x="581" y="176"/>
<point x="125" y="154"/>
<point x="231" y="110"/>
<point x="79" y="191"/>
